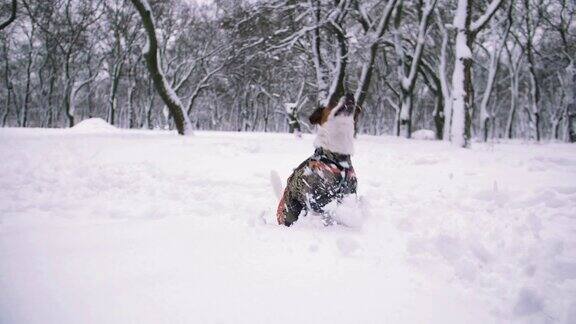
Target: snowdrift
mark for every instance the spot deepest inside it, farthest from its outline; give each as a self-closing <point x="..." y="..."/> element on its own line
<point x="93" y="126"/>
<point x="424" y="134"/>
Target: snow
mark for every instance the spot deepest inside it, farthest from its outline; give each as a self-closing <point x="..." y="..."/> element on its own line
<point x="424" y="134"/>
<point x="150" y="227"/>
<point x="147" y="6"/>
<point x="93" y="125"/>
<point x="460" y="15"/>
<point x="290" y="107"/>
<point x="481" y="21"/>
<point x="462" y="48"/>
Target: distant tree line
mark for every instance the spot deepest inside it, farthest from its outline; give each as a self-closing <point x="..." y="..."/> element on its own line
<point x="465" y="69"/>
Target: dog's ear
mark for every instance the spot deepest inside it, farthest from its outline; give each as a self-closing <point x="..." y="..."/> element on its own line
<point x="316" y="116"/>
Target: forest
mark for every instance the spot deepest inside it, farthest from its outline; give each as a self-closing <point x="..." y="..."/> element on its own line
<point x="468" y="70"/>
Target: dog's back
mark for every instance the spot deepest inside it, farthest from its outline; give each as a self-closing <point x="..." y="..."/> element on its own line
<point x="315" y="183"/>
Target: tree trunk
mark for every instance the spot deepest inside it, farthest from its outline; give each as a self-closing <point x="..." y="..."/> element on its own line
<point x="571" y="101"/>
<point x="50" y="119"/>
<point x="461" y="78"/>
<point x="462" y="87"/>
<point x="405" y="123"/>
<point x="113" y="99"/>
<point x="163" y="88"/>
<point x="439" y="117"/>
<point x="368" y="66"/>
<point x="13" y="9"/>
<point x="407" y="76"/>
<point x="24" y="113"/>
<point x="534" y="86"/>
<point x="514" y="80"/>
<point x="337" y="87"/>
<point x="69" y="105"/>
<point x="320" y="68"/>
<point x="485" y="115"/>
<point x="131" y="109"/>
<point x="293" y="124"/>
<point x="8" y="84"/>
<point x="444" y="86"/>
<point x="68" y="91"/>
<point x="147" y="111"/>
<point x="572" y="125"/>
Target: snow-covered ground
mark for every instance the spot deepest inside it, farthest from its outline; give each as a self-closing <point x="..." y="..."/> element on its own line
<point x="99" y="225"/>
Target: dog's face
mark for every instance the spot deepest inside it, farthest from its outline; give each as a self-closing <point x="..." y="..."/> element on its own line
<point x="345" y="107"/>
<point x="336" y="125"/>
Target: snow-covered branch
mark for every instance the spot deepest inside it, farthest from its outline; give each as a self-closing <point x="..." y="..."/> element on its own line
<point x="479" y="23"/>
<point x="13" y="9"/>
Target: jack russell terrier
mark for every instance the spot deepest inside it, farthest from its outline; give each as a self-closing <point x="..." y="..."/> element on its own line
<point x="328" y="174"/>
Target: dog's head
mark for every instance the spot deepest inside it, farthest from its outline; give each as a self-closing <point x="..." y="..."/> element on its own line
<point x="336" y="125"/>
<point x="345" y="107"/>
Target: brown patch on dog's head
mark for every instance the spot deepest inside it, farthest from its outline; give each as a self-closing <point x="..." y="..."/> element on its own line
<point x="320" y="115"/>
<point x="346" y="106"/>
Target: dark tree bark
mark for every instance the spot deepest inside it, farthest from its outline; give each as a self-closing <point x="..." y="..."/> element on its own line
<point x="435" y="85"/>
<point x="534" y="111"/>
<point x="407" y="71"/>
<point x="12" y="15"/>
<point x="368" y="68"/>
<point x="163" y="88"/>
<point x="571" y="111"/>
<point x="337" y="88"/>
<point x="8" y="84"/>
<point x="462" y="86"/>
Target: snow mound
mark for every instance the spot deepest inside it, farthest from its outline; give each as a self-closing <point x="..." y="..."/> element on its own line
<point x="93" y="125"/>
<point x="350" y="213"/>
<point x="424" y="134"/>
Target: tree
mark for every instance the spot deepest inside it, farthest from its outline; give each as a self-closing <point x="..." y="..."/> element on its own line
<point x="407" y="71"/>
<point x="162" y="86"/>
<point x="374" y="31"/>
<point x="13" y="9"/>
<point x="462" y="87"/>
<point x="494" y="60"/>
<point x="533" y="109"/>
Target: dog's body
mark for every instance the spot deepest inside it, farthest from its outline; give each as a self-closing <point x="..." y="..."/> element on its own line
<point x="328" y="174"/>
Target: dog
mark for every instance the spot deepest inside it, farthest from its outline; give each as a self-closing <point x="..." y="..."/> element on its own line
<point x="328" y="174"/>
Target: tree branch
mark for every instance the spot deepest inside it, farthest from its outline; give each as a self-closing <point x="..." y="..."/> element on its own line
<point x="12" y="15"/>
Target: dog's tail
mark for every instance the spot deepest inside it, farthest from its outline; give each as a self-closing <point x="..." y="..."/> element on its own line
<point x="276" y="183"/>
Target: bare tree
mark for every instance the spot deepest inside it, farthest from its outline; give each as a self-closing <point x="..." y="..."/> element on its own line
<point x="374" y="31"/>
<point x="533" y="110"/>
<point x="162" y="86"/>
<point x="515" y="55"/>
<point x="494" y="62"/>
<point x="407" y="71"/>
<point x="442" y="76"/>
<point x="462" y="87"/>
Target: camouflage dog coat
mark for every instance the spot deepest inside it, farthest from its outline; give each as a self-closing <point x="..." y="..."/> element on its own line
<point x="320" y="179"/>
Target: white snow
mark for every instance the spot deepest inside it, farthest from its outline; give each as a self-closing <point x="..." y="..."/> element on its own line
<point x="424" y="134"/>
<point x="93" y="125"/>
<point x="290" y="107"/>
<point x="150" y="227"/>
